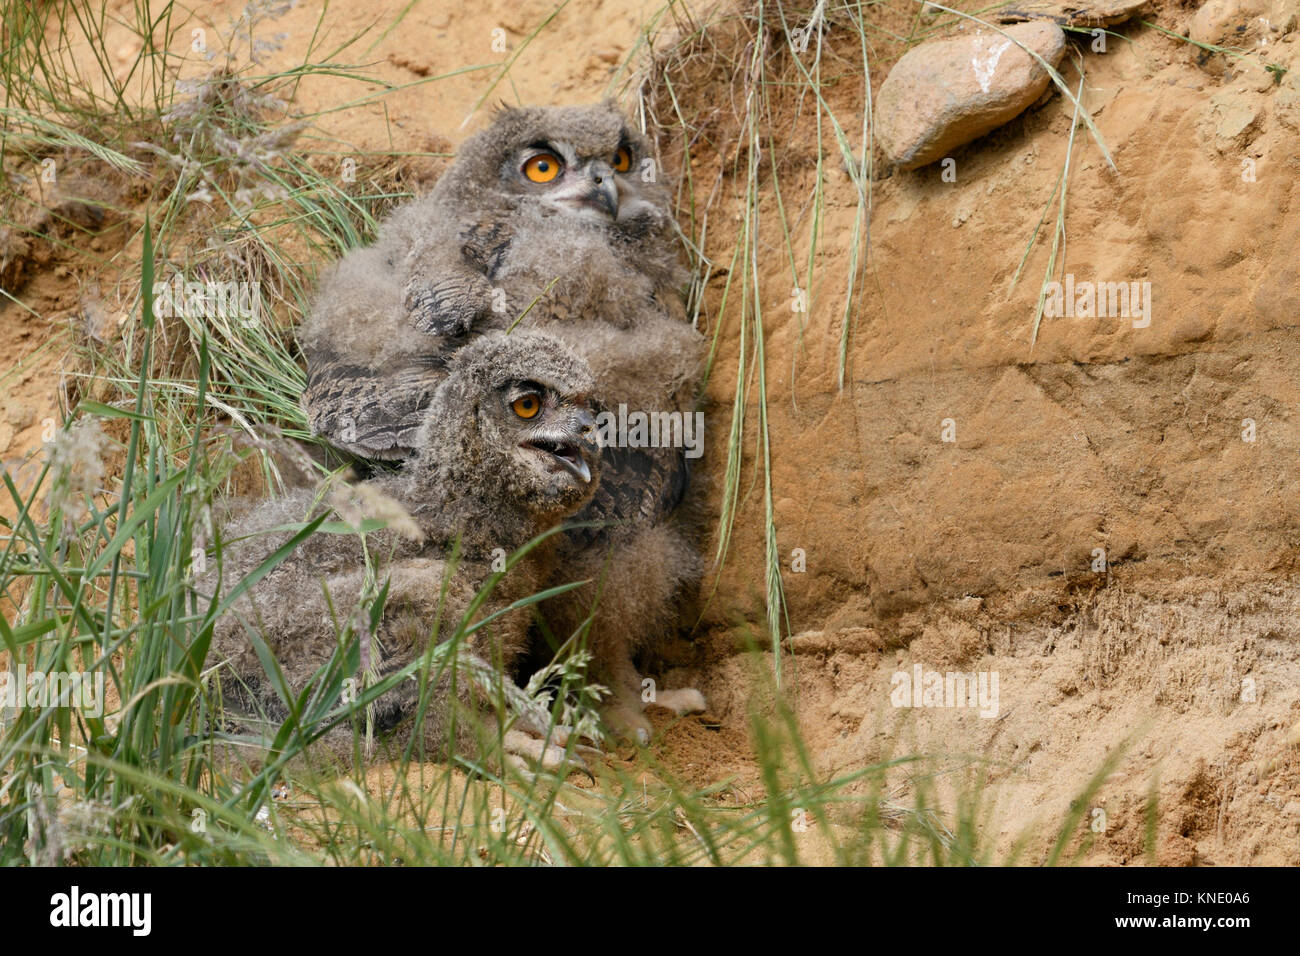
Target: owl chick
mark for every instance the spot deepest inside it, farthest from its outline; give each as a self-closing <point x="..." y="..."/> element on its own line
<point x="507" y="450"/>
<point x="558" y="215"/>
<point x="558" y="211"/>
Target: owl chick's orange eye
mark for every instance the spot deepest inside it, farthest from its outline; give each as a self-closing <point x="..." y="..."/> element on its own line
<point x="622" y="160"/>
<point x="527" y="406"/>
<point x="542" y="168"/>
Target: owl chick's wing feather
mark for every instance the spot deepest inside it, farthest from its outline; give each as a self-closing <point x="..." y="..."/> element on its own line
<point x="374" y="413"/>
<point x="450" y="284"/>
<point x="638" y="486"/>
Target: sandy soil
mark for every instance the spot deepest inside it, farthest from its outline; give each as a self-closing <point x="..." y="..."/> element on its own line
<point x="978" y="554"/>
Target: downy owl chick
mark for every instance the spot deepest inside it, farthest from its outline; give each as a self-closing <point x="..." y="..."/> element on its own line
<point x="508" y="450"/>
<point x="562" y="214"/>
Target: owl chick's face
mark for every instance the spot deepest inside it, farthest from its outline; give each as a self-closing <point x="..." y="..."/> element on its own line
<point x="548" y="435"/>
<point x="512" y="424"/>
<point x="585" y="163"/>
<point x="556" y="176"/>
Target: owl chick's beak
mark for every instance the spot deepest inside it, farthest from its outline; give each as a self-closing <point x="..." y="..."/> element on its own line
<point x="572" y="455"/>
<point x="577" y="466"/>
<point x="603" y="192"/>
<point x="588" y="444"/>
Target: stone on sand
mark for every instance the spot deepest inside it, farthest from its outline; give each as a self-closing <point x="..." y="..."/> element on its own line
<point x="945" y="93"/>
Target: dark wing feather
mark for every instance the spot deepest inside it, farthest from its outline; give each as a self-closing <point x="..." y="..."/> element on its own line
<point x="374" y="413"/>
<point x="485" y="243"/>
<point x="638" y="486"/>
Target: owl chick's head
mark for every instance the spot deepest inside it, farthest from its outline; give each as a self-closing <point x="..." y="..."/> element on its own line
<point x="584" y="163"/>
<point x="512" y="424"/>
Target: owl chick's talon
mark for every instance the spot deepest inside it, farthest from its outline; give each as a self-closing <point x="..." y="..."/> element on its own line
<point x="525" y="751"/>
<point x="537" y="723"/>
<point x="624" y="720"/>
<point x="686" y="700"/>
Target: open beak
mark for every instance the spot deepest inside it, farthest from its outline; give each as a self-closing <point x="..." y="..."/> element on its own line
<point x="585" y="422"/>
<point x="568" y="455"/>
<point x="575" y="465"/>
<point x="571" y="447"/>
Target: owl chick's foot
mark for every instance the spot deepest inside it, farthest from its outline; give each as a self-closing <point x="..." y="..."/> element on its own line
<point x="526" y="749"/>
<point x="625" y="718"/>
<point x="681" y="702"/>
<point x="625" y="721"/>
